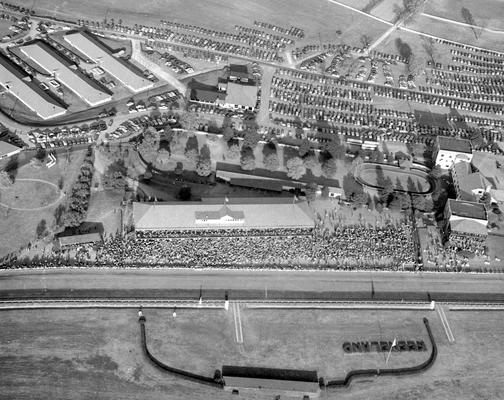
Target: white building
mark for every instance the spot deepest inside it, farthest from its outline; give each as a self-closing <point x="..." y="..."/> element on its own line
<point x="8" y="150"/>
<point x="449" y="151"/>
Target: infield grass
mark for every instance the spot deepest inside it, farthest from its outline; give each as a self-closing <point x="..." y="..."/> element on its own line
<point x="82" y="354"/>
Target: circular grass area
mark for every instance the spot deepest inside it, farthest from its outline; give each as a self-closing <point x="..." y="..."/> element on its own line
<point x="29" y="194"/>
<point x="414" y="180"/>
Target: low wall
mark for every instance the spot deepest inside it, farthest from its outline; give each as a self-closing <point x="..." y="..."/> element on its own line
<point x="359" y="373"/>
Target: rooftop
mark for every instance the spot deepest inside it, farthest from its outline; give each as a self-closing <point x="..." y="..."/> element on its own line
<point x="467" y="209"/>
<point x="80" y="239"/>
<point x="33" y="97"/>
<point x="6" y="148"/>
<point x="238" y="70"/>
<point x="271" y="379"/>
<point x="243" y="95"/>
<point x="207" y="95"/>
<point x="215" y="214"/>
<point x="491" y="167"/>
<point x="92" y="48"/>
<point x="453" y="144"/>
<point x="51" y="62"/>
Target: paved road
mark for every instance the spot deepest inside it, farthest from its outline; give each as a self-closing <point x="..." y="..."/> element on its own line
<point x="248" y="284"/>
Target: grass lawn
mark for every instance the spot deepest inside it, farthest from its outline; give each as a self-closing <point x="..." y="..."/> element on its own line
<point x="457" y="33"/>
<point x="385" y="9"/>
<point x="20" y="194"/>
<point x="486" y="13"/>
<point x="81" y="354"/>
<point x="315" y="17"/>
<point x="18" y="228"/>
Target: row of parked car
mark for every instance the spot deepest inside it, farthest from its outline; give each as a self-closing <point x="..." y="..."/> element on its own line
<point x="189" y="52"/>
<point x="160" y="101"/>
<point x="278" y="41"/>
<point x="437" y="99"/>
<point x="290" y="31"/>
<point x="301" y="88"/>
<point x="203" y="42"/>
<point x="138" y="124"/>
<point x="178" y="66"/>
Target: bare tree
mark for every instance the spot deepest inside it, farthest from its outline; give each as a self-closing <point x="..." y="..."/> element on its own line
<point x="429" y="46"/>
<point x="468" y="19"/>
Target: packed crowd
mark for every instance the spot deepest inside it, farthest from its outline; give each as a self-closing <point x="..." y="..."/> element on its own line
<point x="165" y="233"/>
<point x="475" y="244"/>
<point x="345" y="246"/>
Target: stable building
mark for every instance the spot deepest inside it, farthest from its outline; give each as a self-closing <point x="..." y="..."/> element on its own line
<point x="449" y="150"/>
<point x="20" y="85"/>
<point x="66" y="73"/>
<point x="98" y="53"/>
<point x="8" y="150"/>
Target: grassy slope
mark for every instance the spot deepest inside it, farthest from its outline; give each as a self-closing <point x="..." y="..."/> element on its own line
<point x="486" y="13"/>
<point x="17" y="228"/>
<point x="52" y="354"/>
<point x="315" y="16"/>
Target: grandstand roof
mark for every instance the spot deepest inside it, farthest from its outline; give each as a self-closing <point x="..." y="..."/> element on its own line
<point x="91" y="47"/>
<point x="214" y="214"/>
<point x="80" y="239"/>
<point x="243" y="95"/>
<point x="27" y="92"/>
<point x="52" y="62"/>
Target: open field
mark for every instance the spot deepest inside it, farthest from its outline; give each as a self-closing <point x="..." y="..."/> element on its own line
<point x="314" y="17"/>
<point x="18" y="227"/>
<point x="486" y="13"/>
<point x="462" y="34"/>
<point x="21" y="194"/>
<point x="96" y="353"/>
<point x="386" y="10"/>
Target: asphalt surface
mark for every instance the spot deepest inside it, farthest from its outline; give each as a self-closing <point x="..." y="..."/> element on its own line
<point x="247" y="284"/>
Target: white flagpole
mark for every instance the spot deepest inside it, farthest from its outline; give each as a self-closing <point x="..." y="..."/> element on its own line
<point x="394" y="343"/>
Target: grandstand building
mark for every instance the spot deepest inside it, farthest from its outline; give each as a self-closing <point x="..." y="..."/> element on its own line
<point x="255" y="213"/>
<point x="18" y="84"/>
<point x="66" y="73"/>
<point x="96" y="51"/>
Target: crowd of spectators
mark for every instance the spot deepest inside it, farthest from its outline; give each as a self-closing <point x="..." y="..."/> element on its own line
<point x="344" y="246"/>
